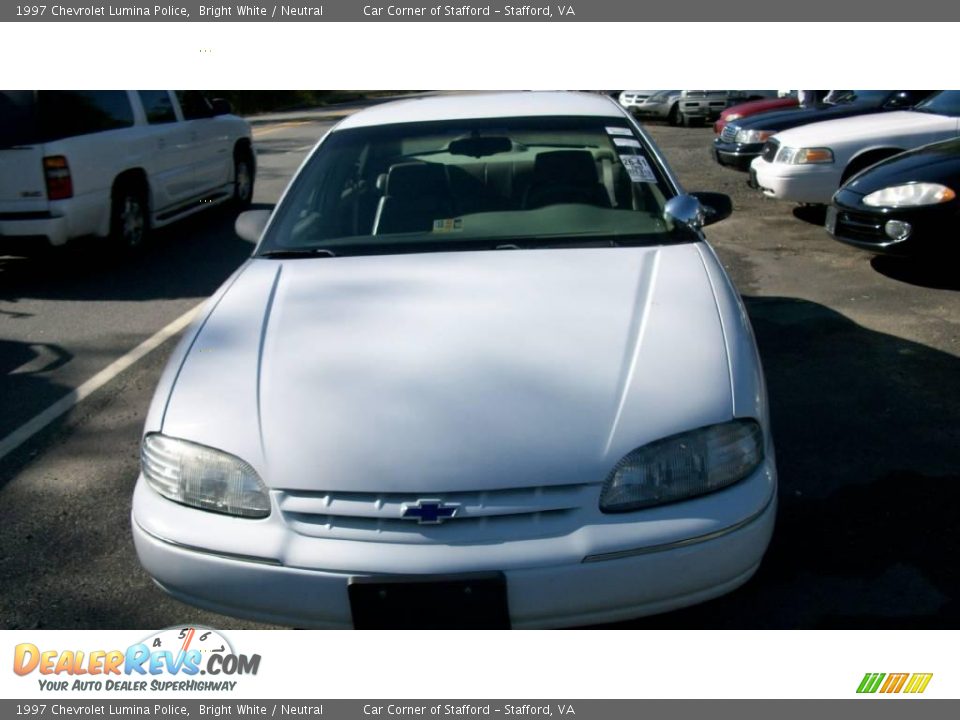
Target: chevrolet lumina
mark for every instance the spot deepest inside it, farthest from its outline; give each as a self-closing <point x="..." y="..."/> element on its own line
<point x="482" y="370"/>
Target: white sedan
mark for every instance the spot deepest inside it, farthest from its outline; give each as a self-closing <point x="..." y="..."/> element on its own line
<point x="482" y="370"/>
<point x="808" y="164"/>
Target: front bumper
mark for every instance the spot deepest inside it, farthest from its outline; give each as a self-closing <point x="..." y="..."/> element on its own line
<point x="736" y="155"/>
<point x="651" y="110"/>
<point x="814" y="184"/>
<point x="933" y="228"/>
<point x="602" y="581"/>
<point x="702" y="112"/>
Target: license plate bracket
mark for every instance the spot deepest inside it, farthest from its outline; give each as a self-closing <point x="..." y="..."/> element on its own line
<point x="471" y="601"/>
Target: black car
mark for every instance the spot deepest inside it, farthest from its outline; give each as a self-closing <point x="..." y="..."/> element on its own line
<point x="904" y="205"/>
<point x="741" y="141"/>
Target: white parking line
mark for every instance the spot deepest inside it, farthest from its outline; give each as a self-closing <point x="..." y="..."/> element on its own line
<point x="40" y="421"/>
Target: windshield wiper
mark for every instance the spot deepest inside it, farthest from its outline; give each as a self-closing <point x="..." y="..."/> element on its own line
<point x="292" y="253"/>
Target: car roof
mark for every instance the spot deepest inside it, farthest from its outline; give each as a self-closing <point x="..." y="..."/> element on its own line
<point x="484" y="105"/>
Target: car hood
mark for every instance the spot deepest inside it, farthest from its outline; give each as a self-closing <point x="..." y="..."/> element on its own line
<point x="866" y="128"/>
<point x="446" y="371"/>
<point x="783" y="119"/>
<point x="754" y="107"/>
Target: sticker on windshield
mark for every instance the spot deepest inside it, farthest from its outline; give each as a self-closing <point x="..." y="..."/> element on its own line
<point x="626" y="142"/>
<point x="446" y="225"/>
<point x="619" y="131"/>
<point x="638" y="168"/>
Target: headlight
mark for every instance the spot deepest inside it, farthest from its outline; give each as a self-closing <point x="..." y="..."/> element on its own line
<point x="684" y="466"/>
<point x="910" y="195"/>
<point x="733" y="116"/>
<point x="804" y="156"/>
<point x="202" y="477"/>
<point x="754" y="136"/>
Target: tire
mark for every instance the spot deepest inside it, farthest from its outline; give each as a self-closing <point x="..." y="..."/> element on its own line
<point x="674" y="117"/>
<point x="243" y="178"/>
<point x="129" y="218"/>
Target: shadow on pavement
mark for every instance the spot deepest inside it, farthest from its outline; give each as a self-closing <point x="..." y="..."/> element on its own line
<point x="934" y="273"/>
<point x="813" y="214"/>
<point x="866" y="427"/>
<point x="190" y="258"/>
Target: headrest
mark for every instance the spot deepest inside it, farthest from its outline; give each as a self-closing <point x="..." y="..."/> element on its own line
<point x="409" y="181"/>
<point x="565" y="167"/>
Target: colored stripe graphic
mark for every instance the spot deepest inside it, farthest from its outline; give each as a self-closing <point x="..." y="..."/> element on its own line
<point x="894" y="683"/>
<point x="918" y="683"/>
<point x="870" y="682"/>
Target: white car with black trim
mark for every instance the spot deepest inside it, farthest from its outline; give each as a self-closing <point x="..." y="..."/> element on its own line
<point x="115" y="163"/>
<point x="482" y="370"/>
<point x="808" y="164"/>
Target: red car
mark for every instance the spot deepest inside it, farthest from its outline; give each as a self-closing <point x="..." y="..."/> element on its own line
<point x="735" y="112"/>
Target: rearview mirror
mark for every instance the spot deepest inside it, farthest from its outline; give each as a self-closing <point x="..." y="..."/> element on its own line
<point x="480" y="146"/>
<point x="250" y="224"/>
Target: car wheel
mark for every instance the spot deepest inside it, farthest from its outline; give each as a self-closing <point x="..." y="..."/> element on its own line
<point x="674" y="117"/>
<point x="243" y="175"/>
<point x="129" y="222"/>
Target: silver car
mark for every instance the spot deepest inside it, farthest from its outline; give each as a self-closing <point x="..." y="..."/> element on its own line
<point x="653" y="104"/>
<point x="482" y="370"/>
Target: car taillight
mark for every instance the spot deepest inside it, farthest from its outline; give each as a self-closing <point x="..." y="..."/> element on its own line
<point x="57" y="174"/>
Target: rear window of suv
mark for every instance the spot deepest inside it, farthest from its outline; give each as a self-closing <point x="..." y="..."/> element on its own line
<point x="28" y="117"/>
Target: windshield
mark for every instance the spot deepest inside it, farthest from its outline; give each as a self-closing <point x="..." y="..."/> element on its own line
<point x="466" y="184"/>
<point x="943" y="103"/>
<point x="17" y="118"/>
<point x="860" y="97"/>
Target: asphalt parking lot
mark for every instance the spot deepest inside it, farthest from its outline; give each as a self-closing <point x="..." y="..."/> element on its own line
<point x="862" y="358"/>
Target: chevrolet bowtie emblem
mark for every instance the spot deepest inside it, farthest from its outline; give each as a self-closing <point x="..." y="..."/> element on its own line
<point x="429" y="512"/>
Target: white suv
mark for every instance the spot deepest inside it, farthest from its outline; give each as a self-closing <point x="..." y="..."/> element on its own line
<point x="116" y="163"/>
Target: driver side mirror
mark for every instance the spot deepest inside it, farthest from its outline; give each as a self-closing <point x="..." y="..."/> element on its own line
<point x="249" y="225"/>
<point x="697" y="210"/>
<point x="716" y="206"/>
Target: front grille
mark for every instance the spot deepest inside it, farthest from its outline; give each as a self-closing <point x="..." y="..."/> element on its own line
<point x="482" y="517"/>
<point x="729" y="133"/>
<point x="770" y="148"/>
<point x="862" y="228"/>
